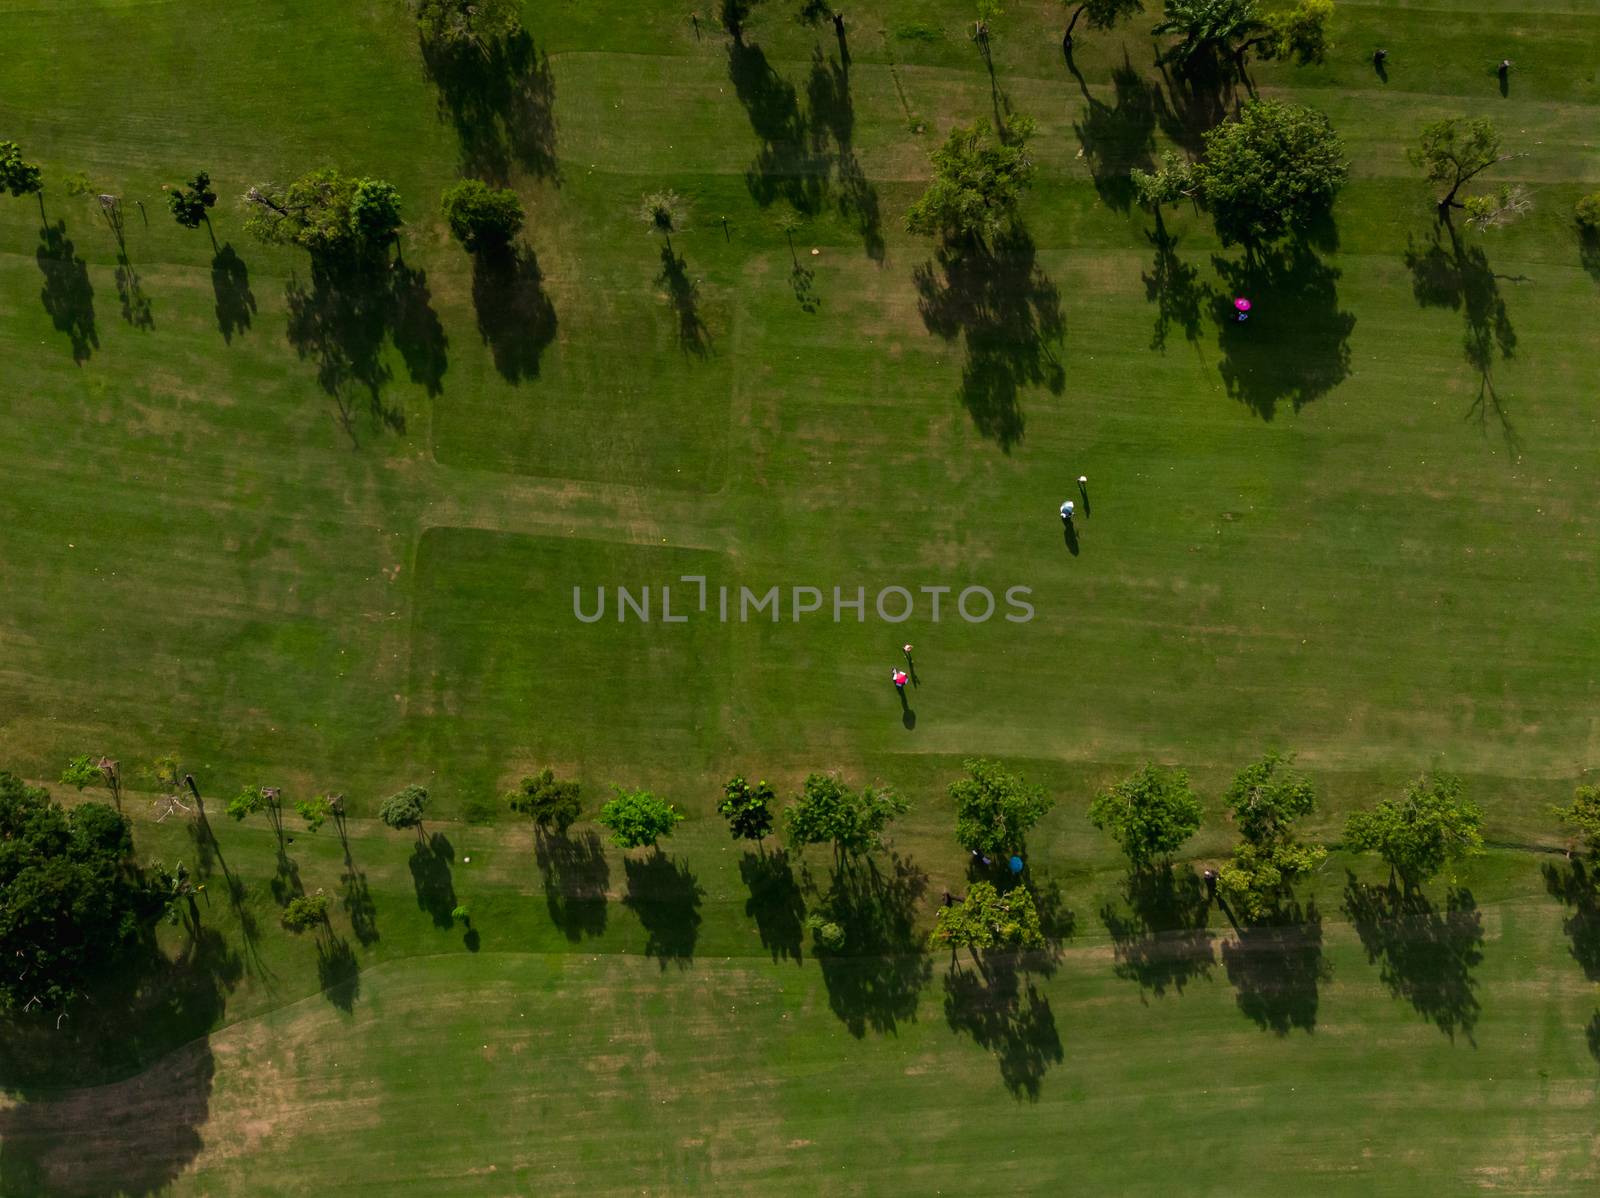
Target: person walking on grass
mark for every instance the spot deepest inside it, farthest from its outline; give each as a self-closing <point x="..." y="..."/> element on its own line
<point x="899" y="677"/>
<point x="1066" y="512"/>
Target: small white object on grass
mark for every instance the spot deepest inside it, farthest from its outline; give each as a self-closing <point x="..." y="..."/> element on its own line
<point x="465" y="859"/>
<point x="1083" y="480"/>
<point x="815" y="251"/>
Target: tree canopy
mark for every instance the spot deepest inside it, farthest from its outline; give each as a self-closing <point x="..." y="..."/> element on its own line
<point x="331" y="216"/>
<point x="978" y="180"/>
<point x="191" y="202"/>
<point x="1454" y="151"/>
<point x="1203" y="26"/>
<point x="1582" y="815"/>
<point x="551" y="802"/>
<point x="1100" y="14"/>
<point x="17" y="175"/>
<point x="829" y="812"/>
<point x="638" y="819"/>
<point x="305" y="912"/>
<point x="989" y="919"/>
<point x="995" y="809"/>
<point x="71" y="903"/>
<point x="1150" y="814"/>
<point x="474" y="25"/>
<point x="747" y="808"/>
<point x="480" y="216"/>
<point x="1421" y="832"/>
<point x="316" y="810"/>
<point x="1272" y="170"/>
<point x="1265" y="799"/>
<point x="404" y="808"/>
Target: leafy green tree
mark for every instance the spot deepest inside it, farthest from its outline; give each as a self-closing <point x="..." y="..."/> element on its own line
<point x="638" y="819"/>
<point x="17" y="175"/>
<point x="1176" y="179"/>
<point x="1587" y="212"/>
<point x="1101" y="14"/>
<point x="1255" y="880"/>
<point x="988" y="10"/>
<point x="177" y="889"/>
<point x="306" y="912"/>
<point x="1421" y="832"/>
<point x="978" y="180"/>
<point x="1582" y="815"/>
<point x="995" y="809"/>
<point x="192" y="203"/>
<point x="404" y="808"/>
<point x="316" y="810"/>
<point x="467" y="25"/>
<point x="1267" y="797"/>
<point x="747" y="808"/>
<point x="1207" y="27"/>
<point x="1265" y="800"/>
<point x="85" y="770"/>
<point x="331" y="216"/>
<point x="1299" y="33"/>
<point x="71" y="905"/>
<point x="1453" y="152"/>
<point x="828" y="935"/>
<point x="1271" y="170"/>
<point x="663" y="212"/>
<point x="988" y="919"/>
<point x="252" y="799"/>
<point x="1495" y="209"/>
<point x="480" y="216"/>
<point x="1150" y="814"/>
<point x="829" y="812"/>
<point x="552" y="803"/>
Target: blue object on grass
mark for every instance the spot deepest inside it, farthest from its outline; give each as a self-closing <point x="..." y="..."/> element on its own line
<point x="1016" y="865"/>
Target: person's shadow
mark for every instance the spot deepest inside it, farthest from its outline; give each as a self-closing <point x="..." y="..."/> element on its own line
<point x="907" y="716"/>
<point x="1083" y="493"/>
<point x="1070" y="534"/>
<point x="1505" y="81"/>
<point x="1380" y="67"/>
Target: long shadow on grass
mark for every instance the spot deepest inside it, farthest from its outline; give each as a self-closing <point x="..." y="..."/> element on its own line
<point x="576" y="881"/>
<point x="1119" y="137"/>
<point x="1424" y="955"/>
<point x="430" y="874"/>
<point x="998" y="1005"/>
<point x="1009" y="314"/>
<point x="1448" y="274"/>
<point x="1276" y="967"/>
<point x="1589" y="252"/>
<point x="499" y="95"/>
<point x="1577" y="885"/>
<point x="776" y="902"/>
<point x="1295" y="347"/>
<point x="1197" y="98"/>
<point x="1174" y="287"/>
<point x="683" y="294"/>
<point x="876" y="979"/>
<point x="1158" y="930"/>
<point x="354" y="893"/>
<point x="665" y="897"/>
<point x="67" y="296"/>
<point x="136" y="1135"/>
<point x="789" y="165"/>
<point x="230" y="285"/>
<point x="515" y="317"/>
<point x="338" y="972"/>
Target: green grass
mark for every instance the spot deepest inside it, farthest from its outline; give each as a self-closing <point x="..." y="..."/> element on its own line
<point x="1320" y="532"/>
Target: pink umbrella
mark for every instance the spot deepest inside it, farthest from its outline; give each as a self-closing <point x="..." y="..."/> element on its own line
<point x="1241" y="304"/>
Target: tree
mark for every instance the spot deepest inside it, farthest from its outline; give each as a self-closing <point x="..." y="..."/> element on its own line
<point x="988" y="919"/>
<point x="1265" y="799"/>
<point x="1150" y="814"/>
<point x="748" y="809"/>
<point x="551" y="802"/>
<point x="1300" y="33"/>
<point x="1175" y="180"/>
<point x="316" y="810"/>
<point x="305" y="912"/>
<point x="1421" y="832"/>
<point x="1207" y="26"/>
<point x="191" y="202"/>
<point x="1102" y="14"/>
<point x="663" y="212"/>
<point x="1587" y="212"/>
<point x="470" y="25"/>
<point x="828" y="811"/>
<point x="1583" y="816"/>
<point x="1496" y="209"/>
<point x="331" y="216"/>
<point x="177" y="890"/>
<point x="17" y="175"/>
<point x="72" y="907"/>
<point x="978" y="180"/>
<point x="404" y="808"/>
<point x="1271" y="170"/>
<point x="85" y="770"/>
<point x="480" y="216"/>
<point x="1453" y="152"/>
<point x="995" y="809"/>
<point x="252" y="799"/>
<point x="638" y="819"/>
<point x="1254" y="881"/>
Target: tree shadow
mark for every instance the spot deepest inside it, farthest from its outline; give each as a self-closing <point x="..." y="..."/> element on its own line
<point x="1592" y="1035"/>
<point x="430" y="874"/>
<point x="415" y="329"/>
<point x="789" y="165"/>
<point x="133" y="302"/>
<point x="1275" y="967"/>
<point x="1009" y="314"/>
<point x="230" y="284"/>
<point x="1447" y="274"/>
<point x="1589" y="252"/>
<point x="832" y="114"/>
<point x="775" y="903"/>
<point x="338" y="971"/>
<point x="67" y="296"/>
<point x="1198" y="97"/>
<point x="998" y="1005"/>
<point x="666" y="898"/>
<point x="876" y="980"/>
<point x="1120" y="137"/>
<point x="1424" y="956"/>
<point x="1158" y="931"/>
<point x="1295" y="347"/>
<point x="139" y="1049"/>
<point x="1578" y="888"/>
<point x="1174" y="287"/>
<point x="683" y="294"/>
<point x="515" y="317"/>
<point x="500" y="98"/>
<point x="208" y="855"/>
<point x="286" y="882"/>
<point x="576" y="881"/>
